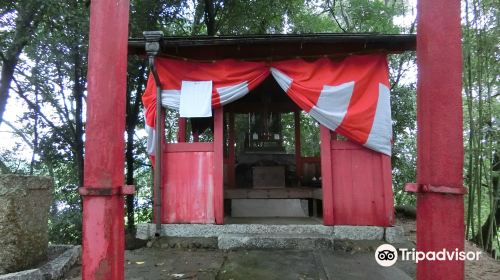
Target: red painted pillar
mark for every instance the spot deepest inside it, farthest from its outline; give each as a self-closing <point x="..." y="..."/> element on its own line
<point x="298" y="155"/>
<point x="440" y="208"/>
<point x="218" y="194"/>
<point x="103" y="229"/>
<point x="231" y="175"/>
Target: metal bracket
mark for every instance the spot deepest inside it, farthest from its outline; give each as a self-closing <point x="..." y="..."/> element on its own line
<point x="93" y="191"/>
<point x="427" y="188"/>
<point x="152" y="41"/>
<point x="152" y="48"/>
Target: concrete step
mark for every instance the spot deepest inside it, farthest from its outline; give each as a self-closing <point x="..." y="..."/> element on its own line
<point x="275" y="241"/>
<point x="146" y="231"/>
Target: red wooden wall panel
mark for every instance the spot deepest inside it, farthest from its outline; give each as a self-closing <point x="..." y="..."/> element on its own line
<point x="361" y="186"/>
<point x="188" y="187"/>
<point x="192" y="179"/>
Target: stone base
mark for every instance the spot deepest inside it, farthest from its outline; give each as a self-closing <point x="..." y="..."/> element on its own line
<point x="269" y="208"/>
<point x="63" y="258"/>
<point x="24" y="211"/>
<point x="282" y="241"/>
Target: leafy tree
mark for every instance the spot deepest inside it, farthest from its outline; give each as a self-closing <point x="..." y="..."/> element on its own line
<point x="21" y="19"/>
<point x="482" y="108"/>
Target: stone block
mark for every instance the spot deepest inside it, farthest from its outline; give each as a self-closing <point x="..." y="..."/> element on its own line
<point x="275" y="241"/>
<point x="59" y="266"/>
<point x="269" y="208"/>
<point x="359" y="232"/>
<point x="32" y="274"/>
<point x="24" y="211"/>
<point x="395" y="234"/>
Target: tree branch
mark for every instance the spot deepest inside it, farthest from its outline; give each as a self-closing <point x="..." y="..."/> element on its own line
<point x="331" y="9"/>
<point x="35" y="107"/>
<point x="19" y="133"/>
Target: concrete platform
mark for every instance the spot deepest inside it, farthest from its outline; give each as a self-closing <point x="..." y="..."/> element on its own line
<point x="271" y="236"/>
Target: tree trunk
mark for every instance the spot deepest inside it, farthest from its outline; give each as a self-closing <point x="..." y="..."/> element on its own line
<point x="7" y="75"/>
<point x="78" y="94"/>
<point x="198" y="17"/>
<point x="26" y="23"/>
<point x="129" y="158"/>
<point x="210" y="17"/>
<point x="35" y="132"/>
<point x="486" y="234"/>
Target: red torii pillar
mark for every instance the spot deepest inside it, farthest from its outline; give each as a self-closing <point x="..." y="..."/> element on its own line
<point x="440" y="206"/>
<point x="103" y="225"/>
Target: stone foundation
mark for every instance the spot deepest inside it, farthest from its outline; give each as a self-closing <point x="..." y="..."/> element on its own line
<point x="24" y="211"/>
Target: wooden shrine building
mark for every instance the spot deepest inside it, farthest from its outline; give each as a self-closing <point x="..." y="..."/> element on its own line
<point x="210" y="172"/>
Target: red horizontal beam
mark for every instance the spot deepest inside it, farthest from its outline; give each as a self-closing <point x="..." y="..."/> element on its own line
<point x="419" y="188"/>
<point x="105" y="191"/>
<point x="189" y="147"/>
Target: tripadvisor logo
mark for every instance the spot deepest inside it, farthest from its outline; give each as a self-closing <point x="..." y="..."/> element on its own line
<point x="386" y="255"/>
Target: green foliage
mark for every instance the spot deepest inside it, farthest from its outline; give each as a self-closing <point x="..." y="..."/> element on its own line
<point x="255" y="17"/>
<point x="481" y="110"/>
<point x="65" y="220"/>
<point x="309" y="135"/>
<point x="306" y="20"/>
<point x="403" y="107"/>
<point x="144" y="193"/>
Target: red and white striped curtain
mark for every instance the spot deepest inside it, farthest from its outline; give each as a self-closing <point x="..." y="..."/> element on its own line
<point x="350" y="95"/>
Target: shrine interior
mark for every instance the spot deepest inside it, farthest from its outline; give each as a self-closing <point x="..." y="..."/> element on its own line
<point x="269" y="176"/>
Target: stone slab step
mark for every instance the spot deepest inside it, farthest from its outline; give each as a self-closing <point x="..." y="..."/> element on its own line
<point x="275" y="241"/>
<point x="145" y="231"/>
<point x="391" y="234"/>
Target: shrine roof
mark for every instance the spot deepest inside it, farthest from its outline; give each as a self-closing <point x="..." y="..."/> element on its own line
<point x="277" y="46"/>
